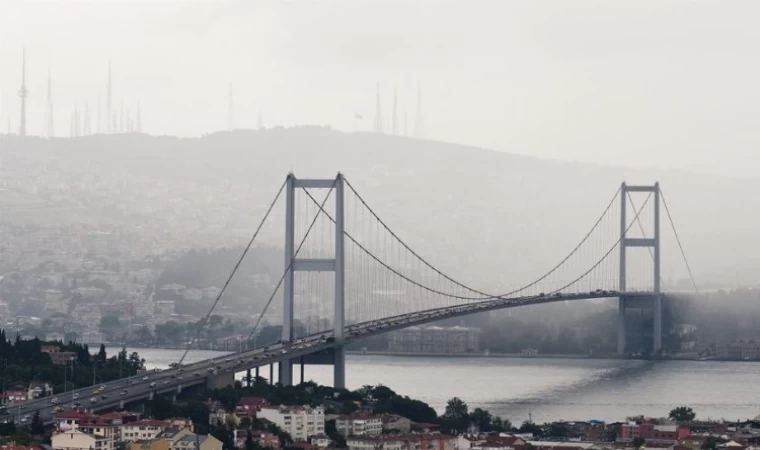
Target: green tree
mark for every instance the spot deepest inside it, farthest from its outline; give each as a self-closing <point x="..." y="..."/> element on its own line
<point x="481" y="419"/>
<point x="638" y="442"/>
<point x="710" y="443"/>
<point x="36" y="427"/>
<point x="249" y="444"/>
<point x="102" y="356"/>
<point x="682" y="414"/>
<point x="456" y="416"/>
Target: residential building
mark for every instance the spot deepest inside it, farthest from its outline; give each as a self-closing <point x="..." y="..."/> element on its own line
<point x="467" y="441"/>
<point x="249" y="406"/>
<point x="358" y="425"/>
<point x="320" y="441"/>
<point x="421" y="441"/>
<point x="263" y="438"/>
<point x="173" y="434"/>
<point x="15" y="396"/>
<point x="653" y="432"/>
<point x="74" y="439"/>
<point x="151" y="444"/>
<point x="434" y="339"/>
<point x="196" y="442"/>
<point x="396" y="423"/>
<point x="142" y="430"/>
<point x="299" y="421"/>
<point x="37" y="390"/>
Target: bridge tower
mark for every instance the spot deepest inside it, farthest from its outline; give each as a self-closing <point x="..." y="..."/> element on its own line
<point x="654" y="243"/>
<point x="294" y="264"/>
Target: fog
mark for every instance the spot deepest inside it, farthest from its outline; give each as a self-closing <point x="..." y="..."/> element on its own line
<point x="532" y="114"/>
<point x="665" y="84"/>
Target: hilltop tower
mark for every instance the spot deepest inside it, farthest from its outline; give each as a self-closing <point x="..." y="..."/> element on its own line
<point x="49" y="128"/>
<point x="394" y="123"/>
<point x="109" y="127"/>
<point x="230" y="111"/>
<point x="23" y="93"/>
<point x="378" y="127"/>
<point x="419" y="131"/>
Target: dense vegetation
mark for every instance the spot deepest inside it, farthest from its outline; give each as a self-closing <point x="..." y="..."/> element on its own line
<point x="24" y="362"/>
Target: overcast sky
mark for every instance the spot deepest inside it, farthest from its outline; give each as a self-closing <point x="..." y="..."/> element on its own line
<point x="625" y="82"/>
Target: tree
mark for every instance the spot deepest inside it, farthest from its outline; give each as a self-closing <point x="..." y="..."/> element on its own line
<point x="481" y="419"/>
<point x="456" y="416"/>
<point x="249" y="445"/>
<point x="36" y="427"/>
<point x="638" y="442"/>
<point x="102" y="356"/>
<point x="682" y="414"/>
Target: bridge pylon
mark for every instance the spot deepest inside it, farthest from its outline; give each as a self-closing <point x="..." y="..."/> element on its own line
<point x="654" y="243"/>
<point x="294" y="264"/>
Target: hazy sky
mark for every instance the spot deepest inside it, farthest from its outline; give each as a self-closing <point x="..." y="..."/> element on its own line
<point x="626" y="82"/>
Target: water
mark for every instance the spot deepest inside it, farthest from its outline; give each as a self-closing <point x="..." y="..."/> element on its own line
<point x="547" y="389"/>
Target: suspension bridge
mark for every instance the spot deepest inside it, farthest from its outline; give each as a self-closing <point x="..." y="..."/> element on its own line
<point x="344" y="262"/>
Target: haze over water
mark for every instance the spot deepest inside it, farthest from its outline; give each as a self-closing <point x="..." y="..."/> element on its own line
<point x="547" y="389"/>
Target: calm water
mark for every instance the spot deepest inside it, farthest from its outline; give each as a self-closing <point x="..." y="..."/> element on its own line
<point x="549" y="389"/>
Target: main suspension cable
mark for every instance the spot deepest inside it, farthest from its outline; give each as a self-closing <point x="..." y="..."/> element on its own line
<point x="232" y="274"/>
<point x="678" y="240"/>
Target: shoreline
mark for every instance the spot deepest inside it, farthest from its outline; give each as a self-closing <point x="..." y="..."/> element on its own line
<point x="119" y="345"/>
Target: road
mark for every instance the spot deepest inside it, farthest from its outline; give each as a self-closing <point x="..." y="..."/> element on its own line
<point x="116" y="394"/>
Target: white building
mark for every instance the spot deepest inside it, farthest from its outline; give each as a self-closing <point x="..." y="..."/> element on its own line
<point x="299" y="421"/>
<point x="77" y="440"/>
<point x="142" y="430"/>
<point x="359" y="425"/>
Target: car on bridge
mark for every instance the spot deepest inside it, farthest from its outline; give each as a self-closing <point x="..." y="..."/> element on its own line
<point x="124" y="392"/>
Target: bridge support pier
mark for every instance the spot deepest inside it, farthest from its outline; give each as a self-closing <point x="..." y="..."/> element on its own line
<point x="285" y="372"/>
<point x="271" y="374"/>
<point x="657" y="305"/>
<point x="248" y="378"/>
<point x="621" y="330"/>
<point x="220" y="380"/>
<point x="653" y="244"/>
<point x="302" y="370"/>
<point x="339" y="368"/>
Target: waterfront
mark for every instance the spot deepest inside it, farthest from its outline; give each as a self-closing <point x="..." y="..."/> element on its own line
<point x="547" y="389"/>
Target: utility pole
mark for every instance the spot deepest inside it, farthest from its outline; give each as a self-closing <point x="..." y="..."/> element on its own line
<point x="23" y="93"/>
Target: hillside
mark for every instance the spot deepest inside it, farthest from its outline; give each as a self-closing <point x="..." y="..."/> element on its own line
<point x="489" y="217"/>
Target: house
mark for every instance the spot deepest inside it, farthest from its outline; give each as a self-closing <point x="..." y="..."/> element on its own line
<point x="192" y="441"/>
<point x="150" y="444"/>
<point x="172" y="434"/>
<point x="358" y="425"/>
<point x="142" y="430"/>
<point x="181" y="423"/>
<point x="299" y="421"/>
<point x="320" y="441"/>
<point x="14" y="446"/>
<point x="652" y="431"/>
<point x="78" y="440"/>
<point x="396" y="423"/>
<point x="249" y="406"/>
<point x="216" y="412"/>
<point x="263" y="438"/>
<point x="16" y="396"/>
<point x="466" y="441"/>
<point x="421" y="441"/>
<point x="37" y="390"/>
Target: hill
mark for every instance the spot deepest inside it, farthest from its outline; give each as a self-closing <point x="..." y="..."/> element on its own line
<point x="491" y="218"/>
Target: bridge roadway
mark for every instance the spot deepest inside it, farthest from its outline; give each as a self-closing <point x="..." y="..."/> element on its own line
<point x="118" y="393"/>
